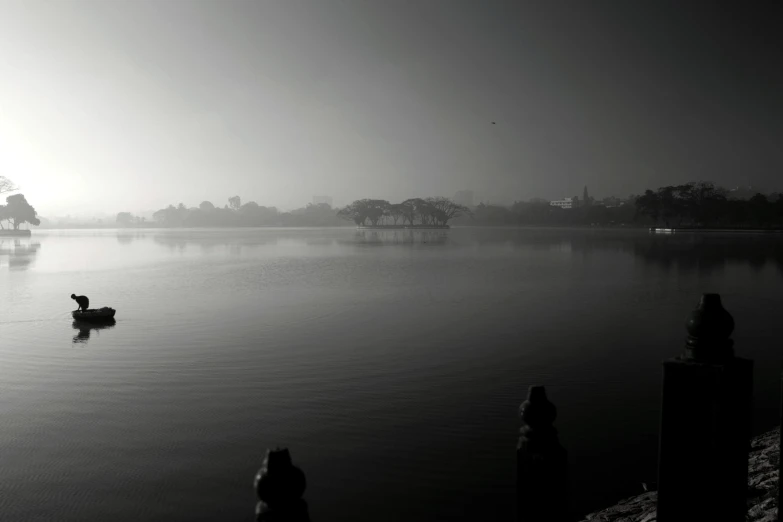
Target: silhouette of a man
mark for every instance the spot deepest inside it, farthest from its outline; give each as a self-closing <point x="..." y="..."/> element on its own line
<point x="82" y="301"/>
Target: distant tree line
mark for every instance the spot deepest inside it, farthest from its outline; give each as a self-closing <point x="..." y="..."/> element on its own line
<point x="705" y="205"/>
<point x="234" y="214"/>
<point x="695" y="204"/>
<point x="538" y="212"/>
<point x="414" y="211"/>
<point x="17" y="210"/>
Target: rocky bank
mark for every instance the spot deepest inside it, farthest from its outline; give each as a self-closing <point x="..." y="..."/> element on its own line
<point x="762" y="489"/>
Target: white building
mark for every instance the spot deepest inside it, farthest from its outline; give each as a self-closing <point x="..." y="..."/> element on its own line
<point x="562" y="203"/>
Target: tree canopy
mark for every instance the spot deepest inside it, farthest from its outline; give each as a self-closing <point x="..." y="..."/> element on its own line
<point x="702" y="204"/>
<point x="415" y="211"/>
<point x="6" y="185"/>
<point x="124" y="218"/>
<point x="18" y="211"/>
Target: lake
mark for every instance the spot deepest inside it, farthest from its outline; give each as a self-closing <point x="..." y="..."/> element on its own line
<point x="391" y="363"/>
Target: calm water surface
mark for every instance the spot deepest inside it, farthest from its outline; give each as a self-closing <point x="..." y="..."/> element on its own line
<point x="392" y="364"/>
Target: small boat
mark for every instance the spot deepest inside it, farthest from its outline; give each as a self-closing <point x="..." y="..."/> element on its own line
<point x="95" y="315"/>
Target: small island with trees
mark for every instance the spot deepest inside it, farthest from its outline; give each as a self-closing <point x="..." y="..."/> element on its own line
<point x="16" y="212"/>
<point x="411" y="213"/>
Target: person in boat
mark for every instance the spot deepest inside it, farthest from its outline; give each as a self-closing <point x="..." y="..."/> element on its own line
<point x="82" y="301"/>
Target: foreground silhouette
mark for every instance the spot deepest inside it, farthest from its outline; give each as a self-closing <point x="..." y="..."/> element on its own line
<point x="84" y="313"/>
<point x="82" y="300"/>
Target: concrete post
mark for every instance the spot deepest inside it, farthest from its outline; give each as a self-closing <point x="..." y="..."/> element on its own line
<point x="780" y="453"/>
<point x="279" y="486"/>
<point x="705" y="427"/>
<point x="542" y="463"/>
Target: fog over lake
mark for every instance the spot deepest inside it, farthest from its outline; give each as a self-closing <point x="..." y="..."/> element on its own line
<point x="391" y="363"/>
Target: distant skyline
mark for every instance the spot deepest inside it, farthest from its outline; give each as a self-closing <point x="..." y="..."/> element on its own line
<point x="133" y="105"/>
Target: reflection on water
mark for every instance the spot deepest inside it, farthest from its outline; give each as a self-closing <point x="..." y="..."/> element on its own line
<point x="686" y="253"/>
<point x="207" y="241"/>
<point x="127" y="237"/>
<point x="85" y="329"/>
<point x="19" y="254"/>
<point x="705" y="254"/>
<point x="384" y="237"/>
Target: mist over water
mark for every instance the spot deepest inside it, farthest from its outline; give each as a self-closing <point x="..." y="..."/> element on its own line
<point x="391" y="363"/>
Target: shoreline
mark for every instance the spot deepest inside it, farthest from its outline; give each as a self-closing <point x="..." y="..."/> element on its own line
<point x="15" y="233"/>
<point x="718" y="230"/>
<point x="762" y="489"/>
<point x="638" y="228"/>
<point x="403" y="227"/>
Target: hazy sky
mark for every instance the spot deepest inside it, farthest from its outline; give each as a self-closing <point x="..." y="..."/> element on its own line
<point x="131" y="105"/>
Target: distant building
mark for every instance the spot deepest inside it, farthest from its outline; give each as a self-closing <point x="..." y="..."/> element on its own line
<point x="318" y="200"/>
<point x="464" y="197"/>
<point x="563" y="203"/>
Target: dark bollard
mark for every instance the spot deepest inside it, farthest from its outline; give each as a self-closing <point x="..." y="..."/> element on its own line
<point x="279" y="486"/>
<point x="705" y="428"/>
<point x="780" y="454"/>
<point x="541" y="462"/>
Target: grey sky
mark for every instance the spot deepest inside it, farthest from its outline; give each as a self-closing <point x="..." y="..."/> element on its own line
<point x="113" y="105"/>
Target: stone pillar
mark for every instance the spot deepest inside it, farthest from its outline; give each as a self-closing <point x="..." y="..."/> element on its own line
<point x="780" y="454"/>
<point x="705" y="427"/>
<point x="542" y="463"/>
<point x="279" y="486"/>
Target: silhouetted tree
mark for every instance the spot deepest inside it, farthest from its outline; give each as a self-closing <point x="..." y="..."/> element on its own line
<point x="18" y="211"/>
<point x="235" y="202"/>
<point x="444" y="209"/>
<point x="760" y="210"/>
<point x="649" y="204"/>
<point x="250" y="213"/>
<point x="6" y="185"/>
<point x="170" y="216"/>
<point x="363" y="209"/>
<point x="411" y="208"/>
<point x="779" y="208"/>
<point x="206" y="206"/>
<point x="396" y="212"/>
<point x="704" y="204"/>
<point x="430" y="211"/>
<point x="375" y="208"/>
<point x="124" y="218"/>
